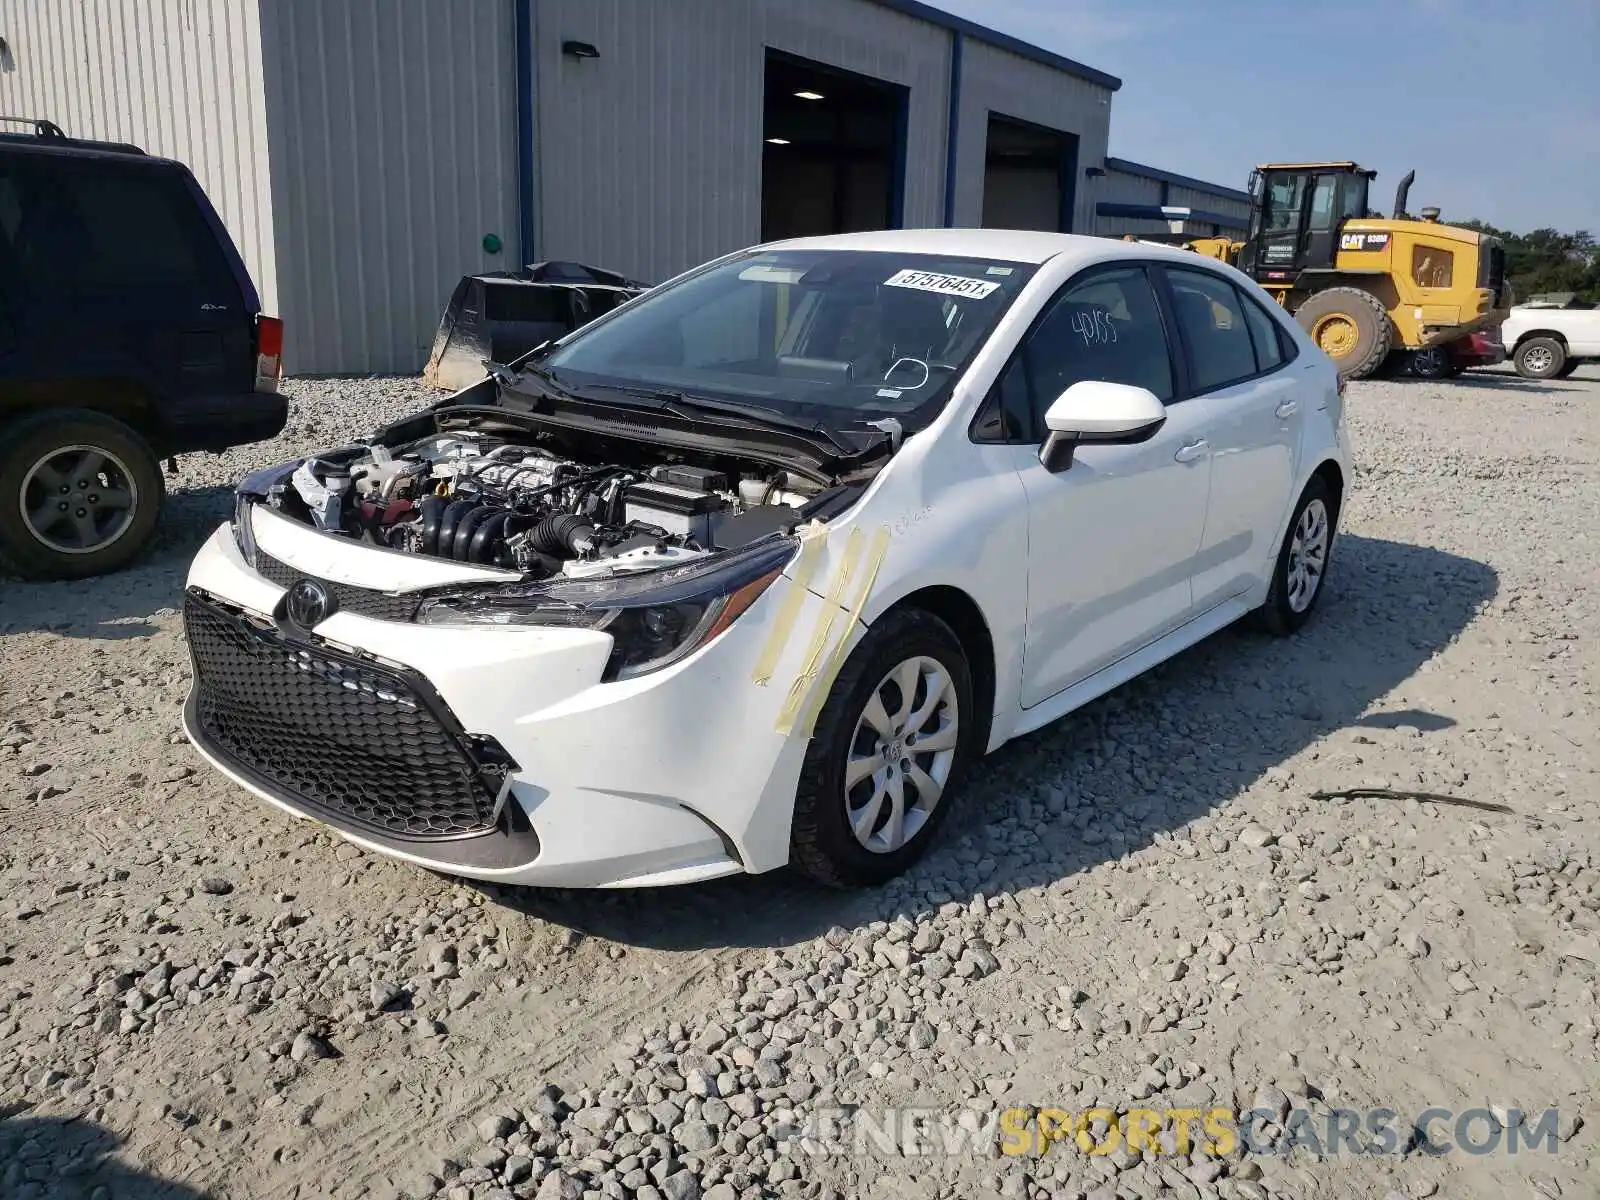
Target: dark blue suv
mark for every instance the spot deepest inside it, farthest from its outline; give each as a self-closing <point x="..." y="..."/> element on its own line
<point x="129" y="332"/>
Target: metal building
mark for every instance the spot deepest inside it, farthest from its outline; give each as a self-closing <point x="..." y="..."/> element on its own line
<point x="366" y="154"/>
<point x="1133" y="198"/>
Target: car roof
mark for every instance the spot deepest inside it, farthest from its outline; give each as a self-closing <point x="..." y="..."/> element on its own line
<point x="75" y="148"/>
<point x="1015" y="245"/>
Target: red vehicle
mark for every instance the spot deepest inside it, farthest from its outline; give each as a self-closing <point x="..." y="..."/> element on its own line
<point x="1481" y="348"/>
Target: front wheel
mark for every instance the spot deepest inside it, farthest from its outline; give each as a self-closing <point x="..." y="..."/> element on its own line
<point x="889" y="751"/>
<point x="1350" y="326"/>
<point x="79" y="494"/>
<point x="1302" y="564"/>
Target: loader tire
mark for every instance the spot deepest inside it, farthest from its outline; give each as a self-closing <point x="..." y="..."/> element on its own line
<point x="1352" y="328"/>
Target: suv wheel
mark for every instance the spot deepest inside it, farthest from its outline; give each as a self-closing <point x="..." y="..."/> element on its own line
<point x="890" y="749"/>
<point x="79" y="494"/>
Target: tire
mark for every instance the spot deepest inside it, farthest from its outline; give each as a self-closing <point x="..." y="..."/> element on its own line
<point x="1568" y="367"/>
<point x="1433" y="363"/>
<point x="1286" y="609"/>
<point x="1351" y="327"/>
<point x="1539" y="358"/>
<point x="102" y="521"/>
<point x="822" y="842"/>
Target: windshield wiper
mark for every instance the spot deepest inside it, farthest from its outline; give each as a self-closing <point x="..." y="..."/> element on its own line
<point x="517" y="374"/>
<point x="673" y="401"/>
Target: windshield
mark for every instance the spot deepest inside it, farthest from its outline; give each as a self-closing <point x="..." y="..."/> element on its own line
<point x="838" y="336"/>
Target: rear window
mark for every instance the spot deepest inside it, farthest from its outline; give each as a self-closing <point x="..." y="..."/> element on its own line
<point x="104" y="230"/>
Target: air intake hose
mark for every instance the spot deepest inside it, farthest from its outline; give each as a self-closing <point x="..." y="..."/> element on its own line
<point x="565" y="535"/>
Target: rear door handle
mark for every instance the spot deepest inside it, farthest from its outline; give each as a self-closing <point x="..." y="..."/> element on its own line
<point x="1288" y="408"/>
<point x="1192" y="451"/>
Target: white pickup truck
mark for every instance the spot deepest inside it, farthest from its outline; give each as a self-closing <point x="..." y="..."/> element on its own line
<point x="1548" y="338"/>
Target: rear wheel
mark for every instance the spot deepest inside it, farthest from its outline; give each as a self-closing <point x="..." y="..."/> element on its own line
<point x="889" y="751"/>
<point x="1302" y="566"/>
<point x="79" y="494"/>
<point x="1539" y="358"/>
<point x="1351" y="327"/>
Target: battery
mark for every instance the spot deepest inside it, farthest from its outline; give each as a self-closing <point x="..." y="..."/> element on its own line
<point x="702" y="479"/>
<point x="685" y="511"/>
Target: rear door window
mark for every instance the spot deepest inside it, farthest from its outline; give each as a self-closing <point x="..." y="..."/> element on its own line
<point x="10" y="207"/>
<point x="1210" y="314"/>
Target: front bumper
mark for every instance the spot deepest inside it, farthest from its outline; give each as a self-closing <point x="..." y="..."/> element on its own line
<point x="674" y="777"/>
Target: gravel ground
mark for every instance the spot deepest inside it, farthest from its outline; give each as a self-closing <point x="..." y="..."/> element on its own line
<point x="1145" y="904"/>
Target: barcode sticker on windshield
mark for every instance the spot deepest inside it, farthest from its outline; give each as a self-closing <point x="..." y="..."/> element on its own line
<point x="943" y="285"/>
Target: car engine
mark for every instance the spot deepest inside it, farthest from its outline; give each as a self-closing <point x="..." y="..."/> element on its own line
<point x="480" y="499"/>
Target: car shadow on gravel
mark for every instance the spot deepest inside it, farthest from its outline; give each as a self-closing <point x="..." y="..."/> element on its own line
<point x="119" y="605"/>
<point x="67" y="1157"/>
<point x="1138" y="764"/>
<point x="1512" y="383"/>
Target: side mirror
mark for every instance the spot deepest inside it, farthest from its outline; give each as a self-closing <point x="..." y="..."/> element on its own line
<point x="1093" y="411"/>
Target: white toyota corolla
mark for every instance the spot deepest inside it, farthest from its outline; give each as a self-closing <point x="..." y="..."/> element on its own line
<point x="754" y="569"/>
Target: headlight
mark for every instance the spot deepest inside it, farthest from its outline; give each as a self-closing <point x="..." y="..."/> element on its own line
<point x="655" y="618"/>
<point x="253" y="487"/>
<point x="243" y="532"/>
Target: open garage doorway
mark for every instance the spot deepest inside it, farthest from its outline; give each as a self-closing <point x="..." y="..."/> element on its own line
<point x="833" y="150"/>
<point x="1028" y="176"/>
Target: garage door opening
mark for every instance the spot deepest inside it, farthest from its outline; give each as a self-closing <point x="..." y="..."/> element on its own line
<point x="833" y="150"/>
<point x="1028" y="176"/>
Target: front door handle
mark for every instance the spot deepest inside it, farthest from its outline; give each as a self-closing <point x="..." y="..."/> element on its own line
<point x="1288" y="408"/>
<point x="1192" y="451"/>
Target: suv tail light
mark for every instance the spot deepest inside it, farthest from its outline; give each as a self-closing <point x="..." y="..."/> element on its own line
<point x="269" y="353"/>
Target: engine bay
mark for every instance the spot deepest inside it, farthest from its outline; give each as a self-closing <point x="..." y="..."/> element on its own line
<point x="519" y="502"/>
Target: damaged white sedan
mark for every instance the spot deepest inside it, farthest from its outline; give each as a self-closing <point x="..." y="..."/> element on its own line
<point x="752" y="570"/>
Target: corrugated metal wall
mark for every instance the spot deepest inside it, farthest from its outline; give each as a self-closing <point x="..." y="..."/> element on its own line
<point x="1123" y="187"/>
<point x="1005" y="84"/>
<point x="650" y="155"/>
<point x="181" y="78"/>
<point x="1209" y="201"/>
<point x="392" y="127"/>
<point x="1130" y="187"/>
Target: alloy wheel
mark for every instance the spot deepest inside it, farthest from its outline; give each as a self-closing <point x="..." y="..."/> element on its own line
<point x="901" y="754"/>
<point x="1538" y="359"/>
<point x="78" y="499"/>
<point x="1308" y="556"/>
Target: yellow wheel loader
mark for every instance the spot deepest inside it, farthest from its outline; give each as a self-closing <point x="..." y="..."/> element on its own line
<point x="1363" y="285"/>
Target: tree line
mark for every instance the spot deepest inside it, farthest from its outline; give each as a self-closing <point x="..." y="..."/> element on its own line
<point x="1548" y="260"/>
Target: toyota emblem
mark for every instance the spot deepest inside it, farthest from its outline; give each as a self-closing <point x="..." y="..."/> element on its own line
<point x="309" y="604"/>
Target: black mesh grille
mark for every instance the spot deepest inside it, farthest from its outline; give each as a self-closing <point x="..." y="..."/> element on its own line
<point x="364" y="744"/>
<point x="363" y="601"/>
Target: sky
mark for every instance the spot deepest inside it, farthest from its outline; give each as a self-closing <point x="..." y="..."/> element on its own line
<point x="1495" y="104"/>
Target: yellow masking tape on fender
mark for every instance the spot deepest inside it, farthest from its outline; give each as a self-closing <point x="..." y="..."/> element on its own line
<point x="819" y="638"/>
<point x="819" y="693"/>
<point x="810" y="551"/>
